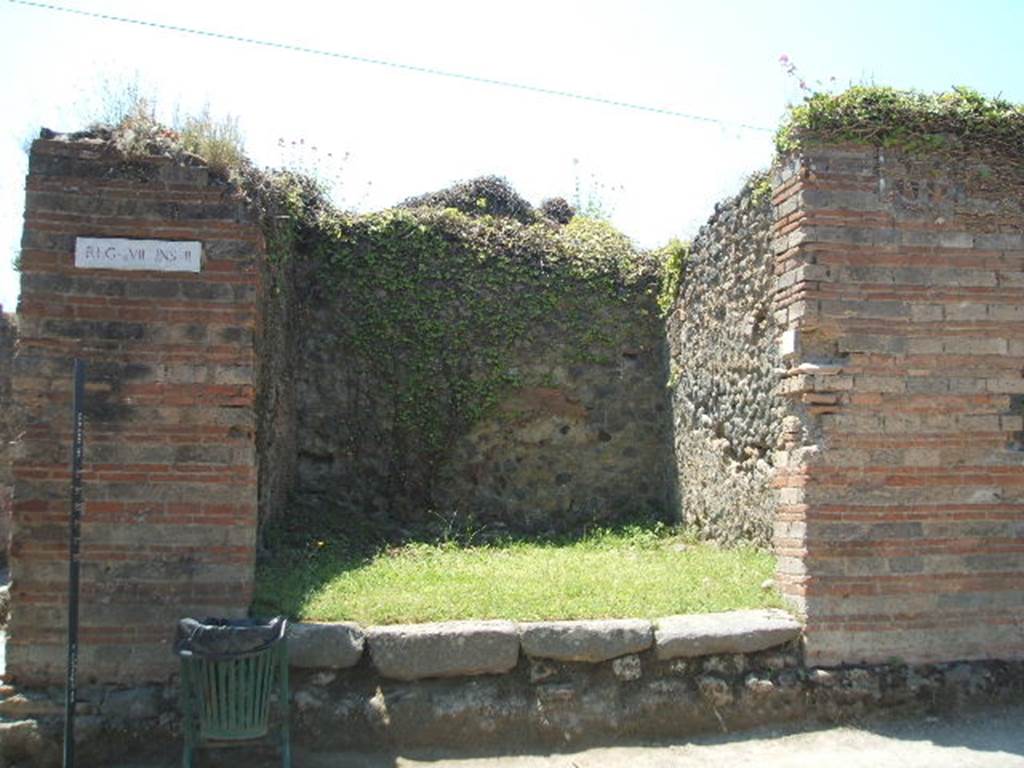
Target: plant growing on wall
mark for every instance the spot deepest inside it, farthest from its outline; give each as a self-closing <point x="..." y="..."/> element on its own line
<point x="427" y="309"/>
<point x="673" y="258"/>
<point x="905" y="118"/>
<point x="218" y="141"/>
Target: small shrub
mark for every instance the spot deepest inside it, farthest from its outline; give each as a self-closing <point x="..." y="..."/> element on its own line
<point x="127" y="118"/>
<point x="119" y="101"/>
<point x="218" y="142"/>
<point x="591" y="197"/>
<point x="760" y="185"/>
<point x="673" y="259"/>
<point x="483" y="196"/>
<point x="557" y="209"/>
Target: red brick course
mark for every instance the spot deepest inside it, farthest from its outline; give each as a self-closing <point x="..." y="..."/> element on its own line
<point x="169" y="478"/>
<point x="900" y="531"/>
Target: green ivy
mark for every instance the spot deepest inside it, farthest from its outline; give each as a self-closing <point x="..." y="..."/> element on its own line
<point x="760" y="185"/>
<point x="673" y="266"/>
<point x="429" y="307"/>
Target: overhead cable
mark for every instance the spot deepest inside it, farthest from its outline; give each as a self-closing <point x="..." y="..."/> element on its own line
<point x="392" y="64"/>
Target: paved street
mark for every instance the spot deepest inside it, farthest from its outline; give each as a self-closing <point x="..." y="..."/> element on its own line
<point x="981" y="740"/>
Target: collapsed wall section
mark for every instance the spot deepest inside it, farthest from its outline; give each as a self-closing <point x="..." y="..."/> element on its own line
<point x="724" y="356"/>
<point x="901" y="284"/>
<point x="169" y="519"/>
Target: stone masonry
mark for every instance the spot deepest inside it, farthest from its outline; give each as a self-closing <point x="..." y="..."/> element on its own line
<point x="582" y="439"/>
<point x="724" y="355"/>
<point x="901" y="286"/>
<point x="498" y="686"/>
<point x="895" y="340"/>
<point x="169" y="481"/>
<point x="8" y="430"/>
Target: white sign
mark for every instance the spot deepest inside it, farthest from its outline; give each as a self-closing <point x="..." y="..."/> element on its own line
<point x="118" y="253"/>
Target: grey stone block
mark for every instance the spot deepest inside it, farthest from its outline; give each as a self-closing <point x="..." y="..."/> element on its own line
<point x="325" y="646"/>
<point x="731" y="632"/>
<point x="29" y="704"/>
<point x="133" y="703"/>
<point x="628" y="668"/>
<point x="446" y="649"/>
<point x="591" y="641"/>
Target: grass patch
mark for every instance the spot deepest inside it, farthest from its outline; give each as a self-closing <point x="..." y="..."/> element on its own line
<point x="640" y="573"/>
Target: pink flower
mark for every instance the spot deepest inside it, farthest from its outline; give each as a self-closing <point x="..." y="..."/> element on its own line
<point x="784" y="59"/>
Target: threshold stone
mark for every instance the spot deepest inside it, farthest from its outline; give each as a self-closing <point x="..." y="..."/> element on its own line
<point x="729" y="632"/>
<point x="325" y="646"/>
<point x="592" y="641"/>
<point x="444" y="649"/>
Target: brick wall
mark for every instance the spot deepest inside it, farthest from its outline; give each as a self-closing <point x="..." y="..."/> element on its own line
<point x="8" y="430"/>
<point x="899" y="292"/>
<point x="901" y="282"/>
<point x="169" y="478"/>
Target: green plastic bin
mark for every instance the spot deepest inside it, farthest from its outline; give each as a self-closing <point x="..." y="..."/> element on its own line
<point x="231" y="671"/>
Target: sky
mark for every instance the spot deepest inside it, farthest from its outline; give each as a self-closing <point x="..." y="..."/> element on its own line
<point x="383" y="133"/>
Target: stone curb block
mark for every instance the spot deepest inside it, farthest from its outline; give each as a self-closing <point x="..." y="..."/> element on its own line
<point x="325" y="646"/>
<point x="731" y="632"/>
<point x="590" y="641"/>
<point x="446" y="649"/>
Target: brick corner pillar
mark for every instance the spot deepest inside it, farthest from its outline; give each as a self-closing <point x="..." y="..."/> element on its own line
<point x="169" y="478"/>
<point x="900" y="280"/>
<point x="9" y="428"/>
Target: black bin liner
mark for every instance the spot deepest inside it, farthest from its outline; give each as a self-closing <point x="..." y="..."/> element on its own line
<point x="215" y="639"/>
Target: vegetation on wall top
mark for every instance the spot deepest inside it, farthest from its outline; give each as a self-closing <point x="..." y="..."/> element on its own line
<point x="906" y="118"/>
<point x="673" y="257"/>
<point x="131" y="129"/>
<point x="483" y="196"/>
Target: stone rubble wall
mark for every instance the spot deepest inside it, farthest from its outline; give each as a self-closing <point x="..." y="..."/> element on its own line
<point x="582" y="439"/>
<point x="589" y="446"/>
<point x="9" y="429"/>
<point x="169" y="476"/>
<point x="724" y="359"/>
<point x="497" y="684"/>
<point x="901" y="288"/>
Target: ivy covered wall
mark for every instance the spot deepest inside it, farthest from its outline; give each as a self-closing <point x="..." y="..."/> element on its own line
<point x="463" y="362"/>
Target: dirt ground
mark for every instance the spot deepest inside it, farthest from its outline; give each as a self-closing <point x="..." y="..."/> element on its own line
<point x="985" y="739"/>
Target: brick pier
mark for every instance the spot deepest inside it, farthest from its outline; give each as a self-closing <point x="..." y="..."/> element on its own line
<point x="170" y="479"/>
<point x="901" y="280"/>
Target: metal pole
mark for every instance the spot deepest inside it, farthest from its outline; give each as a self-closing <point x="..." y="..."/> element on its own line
<point x="74" y="544"/>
